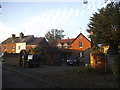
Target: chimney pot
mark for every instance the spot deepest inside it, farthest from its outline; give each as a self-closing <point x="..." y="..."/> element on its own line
<point x="21" y="35"/>
<point x="13" y="36"/>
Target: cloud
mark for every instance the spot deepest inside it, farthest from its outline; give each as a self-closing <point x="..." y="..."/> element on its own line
<point x="6" y="31"/>
<point x="58" y="18"/>
<point x="70" y="19"/>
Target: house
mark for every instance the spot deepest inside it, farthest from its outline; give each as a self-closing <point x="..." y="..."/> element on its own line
<point x="16" y="44"/>
<point x="74" y="46"/>
<point x="80" y="43"/>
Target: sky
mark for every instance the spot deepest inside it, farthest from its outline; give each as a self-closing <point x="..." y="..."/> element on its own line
<point x="37" y="17"/>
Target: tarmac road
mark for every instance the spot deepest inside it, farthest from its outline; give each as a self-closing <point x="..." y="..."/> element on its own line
<point x="15" y="80"/>
<point x="41" y="77"/>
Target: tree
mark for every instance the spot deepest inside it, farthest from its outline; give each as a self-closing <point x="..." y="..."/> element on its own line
<point x="54" y="34"/>
<point x="105" y="26"/>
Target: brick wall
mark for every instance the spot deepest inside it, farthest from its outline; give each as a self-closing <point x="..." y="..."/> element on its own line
<point x="85" y="43"/>
<point x="28" y="47"/>
<point x="11" y="59"/>
<point x="9" y="48"/>
<point x="86" y="56"/>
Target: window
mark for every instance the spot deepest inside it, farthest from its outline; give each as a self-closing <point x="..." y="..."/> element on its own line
<point x="59" y="45"/>
<point x="4" y="47"/>
<point x="80" y="44"/>
<point x="18" y="47"/>
<point x="65" y="45"/>
<point x="81" y="54"/>
<point x="13" y="47"/>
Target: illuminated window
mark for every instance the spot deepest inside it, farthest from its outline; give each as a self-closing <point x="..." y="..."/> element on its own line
<point x="80" y="44"/>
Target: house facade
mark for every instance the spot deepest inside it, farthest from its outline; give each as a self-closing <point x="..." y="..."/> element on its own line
<point x="80" y="43"/>
<point x="16" y="44"/>
<point x="79" y="46"/>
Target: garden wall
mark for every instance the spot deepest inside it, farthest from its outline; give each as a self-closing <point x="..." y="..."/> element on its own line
<point x="11" y="59"/>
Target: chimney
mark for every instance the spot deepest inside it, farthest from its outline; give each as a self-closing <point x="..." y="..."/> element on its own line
<point x="21" y="35"/>
<point x="13" y="36"/>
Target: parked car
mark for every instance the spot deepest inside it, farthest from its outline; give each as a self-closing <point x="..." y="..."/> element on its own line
<point x="73" y="60"/>
<point x="34" y="60"/>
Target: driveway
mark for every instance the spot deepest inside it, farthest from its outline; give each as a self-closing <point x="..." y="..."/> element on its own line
<point x="52" y="69"/>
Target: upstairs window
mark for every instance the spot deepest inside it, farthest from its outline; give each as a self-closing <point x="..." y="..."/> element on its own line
<point x="65" y="45"/>
<point x="59" y="45"/>
<point x="13" y="47"/>
<point x="5" y="47"/>
<point x="80" y="44"/>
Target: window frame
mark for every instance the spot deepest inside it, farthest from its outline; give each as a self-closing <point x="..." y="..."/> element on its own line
<point x="81" y="44"/>
<point x="18" y="47"/>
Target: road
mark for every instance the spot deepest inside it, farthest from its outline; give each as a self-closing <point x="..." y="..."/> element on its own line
<point x="13" y="79"/>
<point x="41" y="77"/>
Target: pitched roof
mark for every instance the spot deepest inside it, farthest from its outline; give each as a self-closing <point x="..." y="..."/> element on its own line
<point x="68" y="41"/>
<point x="62" y="41"/>
<point x="18" y="40"/>
<point x="30" y="40"/>
<point x="78" y="36"/>
<point x="37" y="41"/>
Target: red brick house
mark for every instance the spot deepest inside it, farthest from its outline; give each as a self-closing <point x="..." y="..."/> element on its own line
<point x="79" y="43"/>
<point x="16" y="44"/>
<point x="79" y="46"/>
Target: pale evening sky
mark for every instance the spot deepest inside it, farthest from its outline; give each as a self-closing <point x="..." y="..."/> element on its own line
<point x="36" y="17"/>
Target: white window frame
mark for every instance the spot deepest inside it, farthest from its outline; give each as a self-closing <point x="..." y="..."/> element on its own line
<point x="81" y="44"/>
<point x="13" y="48"/>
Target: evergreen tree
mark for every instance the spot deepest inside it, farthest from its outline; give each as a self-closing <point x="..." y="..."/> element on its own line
<point x="105" y="26"/>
